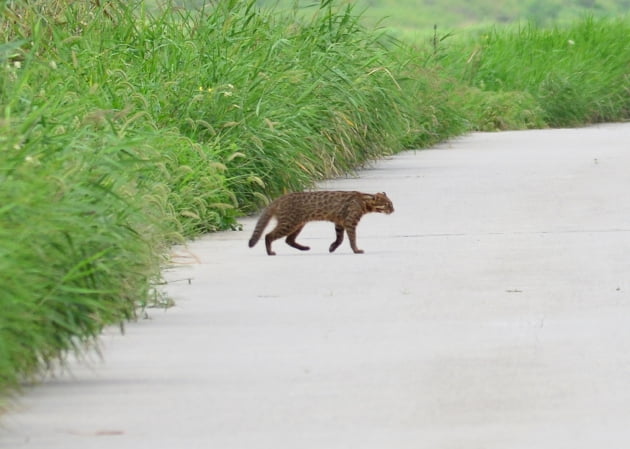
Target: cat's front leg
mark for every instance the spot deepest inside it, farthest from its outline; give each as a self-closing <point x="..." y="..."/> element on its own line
<point x="352" y="236"/>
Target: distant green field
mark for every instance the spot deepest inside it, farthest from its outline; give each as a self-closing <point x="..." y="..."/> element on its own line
<point x="413" y="18"/>
<point x="416" y="19"/>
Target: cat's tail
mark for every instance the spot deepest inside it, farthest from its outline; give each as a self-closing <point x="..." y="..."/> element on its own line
<point x="262" y="223"/>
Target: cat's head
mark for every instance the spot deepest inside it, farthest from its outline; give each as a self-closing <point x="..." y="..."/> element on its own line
<point x="381" y="203"/>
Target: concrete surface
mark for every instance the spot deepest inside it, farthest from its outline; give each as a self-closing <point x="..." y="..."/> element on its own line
<point x="491" y="310"/>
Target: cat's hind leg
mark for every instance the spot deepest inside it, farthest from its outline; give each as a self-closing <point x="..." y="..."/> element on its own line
<point x="277" y="233"/>
<point x="281" y="230"/>
<point x="291" y="240"/>
<point x="269" y="238"/>
<point x="334" y="245"/>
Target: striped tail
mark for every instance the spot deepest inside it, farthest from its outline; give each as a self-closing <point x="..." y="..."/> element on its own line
<point x="262" y="223"/>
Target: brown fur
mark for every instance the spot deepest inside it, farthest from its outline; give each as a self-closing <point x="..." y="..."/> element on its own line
<point x="294" y="210"/>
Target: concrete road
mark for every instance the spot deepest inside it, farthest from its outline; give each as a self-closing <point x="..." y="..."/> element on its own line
<point x="491" y="310"/>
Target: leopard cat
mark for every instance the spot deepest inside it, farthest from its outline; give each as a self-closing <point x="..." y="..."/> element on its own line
<point x="294" y="210"/>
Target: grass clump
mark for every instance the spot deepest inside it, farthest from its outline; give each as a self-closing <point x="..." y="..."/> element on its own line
<point x="77" y="241"/>
<point x="562" y="76"/>
<point x="283" y="101"/>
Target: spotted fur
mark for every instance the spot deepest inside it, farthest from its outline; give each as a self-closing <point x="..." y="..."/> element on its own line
<point x="294" y="210"/>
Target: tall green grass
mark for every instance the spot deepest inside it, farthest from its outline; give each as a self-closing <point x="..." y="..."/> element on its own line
<point x="562" y="76"/>
<point x="283" y="101"/>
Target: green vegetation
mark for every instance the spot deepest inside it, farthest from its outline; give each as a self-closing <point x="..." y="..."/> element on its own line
<point x="416" y="18"/>
<point x="565" y="76"/>
<point x="124" y="131"/>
